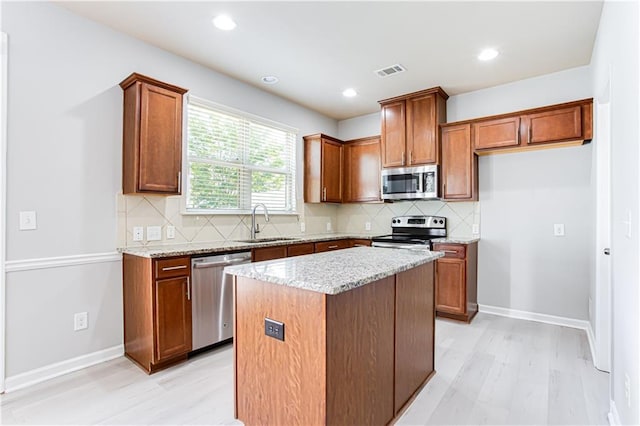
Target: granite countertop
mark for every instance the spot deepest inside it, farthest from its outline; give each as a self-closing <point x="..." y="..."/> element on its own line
<point x="456" y="240"/>
<point x="337" y="271"/>
<point x="227" y="246"/>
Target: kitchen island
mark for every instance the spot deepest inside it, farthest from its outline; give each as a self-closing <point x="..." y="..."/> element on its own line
<point x="351" y="336"/>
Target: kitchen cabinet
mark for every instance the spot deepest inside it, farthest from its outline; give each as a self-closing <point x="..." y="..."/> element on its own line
<point x="360" y="242"/>
<point x="499" y="133"/>
<point x="323" y="169"/>
<point x="362" y="170"/>
<point x="456" y="281"/>
<point x="459" y="171"/>
<point x="157" y="310"/>
<point x="554" y="125"/>
<point x="152" y="136"/>
<point x="300" y="249"/>
<point x="268" y="253"/>
<point x="409" y="124"/>
<point x="332" y="245"/>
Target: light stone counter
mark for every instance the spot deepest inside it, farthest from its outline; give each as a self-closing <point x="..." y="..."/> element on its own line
<point x="228" y="246"/>
<point x="456" y="240"/>
<point x="337" y="271"/>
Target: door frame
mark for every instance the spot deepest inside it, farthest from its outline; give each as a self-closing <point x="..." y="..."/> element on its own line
<point x="3" y="199"/>
<point x="603" y="263"/>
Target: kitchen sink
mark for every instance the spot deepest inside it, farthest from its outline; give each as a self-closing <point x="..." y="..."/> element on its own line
<point x="267" y="240"/>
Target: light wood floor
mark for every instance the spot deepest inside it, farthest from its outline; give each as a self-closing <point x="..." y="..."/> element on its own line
<point x="493" y="371"/>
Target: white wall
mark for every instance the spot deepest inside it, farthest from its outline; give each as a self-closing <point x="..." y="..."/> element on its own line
<point x="617" y="48"/>
<point x="64" y="162"/>
<point x="359" y="127"/>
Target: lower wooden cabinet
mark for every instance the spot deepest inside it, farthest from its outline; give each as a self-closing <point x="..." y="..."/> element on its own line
<point x="157" y="310"/>
<point x="332" y="245"/>
<point x="268" y="253"/>
<point x="360" y="242"/>
<point x="299" y="249"/>
<point x="456" y="281"/>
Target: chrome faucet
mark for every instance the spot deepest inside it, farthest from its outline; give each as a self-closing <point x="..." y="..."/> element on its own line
<point x="255" y="228"/>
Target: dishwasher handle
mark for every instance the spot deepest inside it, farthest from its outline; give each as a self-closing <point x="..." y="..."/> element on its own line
<point x="220" y="263"/>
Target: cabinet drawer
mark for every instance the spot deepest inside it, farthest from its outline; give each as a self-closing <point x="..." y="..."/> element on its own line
<point x="332" y="245"/>
<point x="172" y="267"/>
<point x="360" y="242"/>
<point x="457" y="251"/>
<point x="268" y="253"/>
<point x="299" y="249"/>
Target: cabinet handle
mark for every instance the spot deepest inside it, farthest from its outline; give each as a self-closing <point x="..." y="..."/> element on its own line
<point x="529" y="135"/>
<point x="188" y="289"/>
<point x="403" y="158"/>
<point x="180" y="182"/>
<point x="173" y="268"/>
<point x="324" y="194"/>
<point x="449" y="251"/>
<point x="332" y="247"/>
<point x="410" y="157"/>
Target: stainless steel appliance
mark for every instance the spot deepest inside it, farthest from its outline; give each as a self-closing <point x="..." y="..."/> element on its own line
<point x="410" y="183"/>
<point x="413" y="232"/>
<point x="212" y="298"/>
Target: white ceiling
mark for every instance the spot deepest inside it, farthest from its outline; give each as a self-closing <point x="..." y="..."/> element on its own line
<point x="317" y="49"/>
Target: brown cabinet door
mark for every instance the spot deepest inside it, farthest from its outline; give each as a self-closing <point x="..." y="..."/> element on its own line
<point x="268" y="253"/>
<point x="459" y="172"/>
<point x="172" y="318"/>
<point x="331" y="171"/>
<point x="362" y="171"/>
<point x="414" y="328"/>
<point x="360" y="242"/>
<point x="422" y="146"/>
<point x="393" y="134"/>
<point x="312" y="169"/>
<point x="299" y="249"/>
<point x="451" y="286"/>
<point x="332" y="245"/>
<point x="559" y="125"/>
<point x="499" y="133"/>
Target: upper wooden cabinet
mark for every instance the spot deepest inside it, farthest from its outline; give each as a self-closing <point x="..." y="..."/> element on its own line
<point x="459" y="164"/>
<point x="410" y="134"/>
<point x="322" y="169"/>
<point x="362" y="170"/>
<point x="555" y="125"/>
<point x="152" y="136"/>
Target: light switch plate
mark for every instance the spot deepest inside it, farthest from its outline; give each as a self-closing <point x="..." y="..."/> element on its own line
<point x="28" y="221"/>
<point x="367" y="226"/>
<point x="475" y="229"/>
<point x="328" y="226"/>
<point x="558" y="229"/>
<point x="154" y="233"/>
<point x="302" y="227"/>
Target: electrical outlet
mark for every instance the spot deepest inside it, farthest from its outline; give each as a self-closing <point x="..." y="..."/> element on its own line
<point x="154" y="233"/>
<point x="302" y="227"/>
<point x="138" y="233"/>
<point x="475" y="229"/>
<point x="274" y="329"/>
<point x="80" y="321"/>
<point x="627" y="389"/>
<point x="558" y="229"/>
<point x="328" y="226"/>
<point x="367" y="226"/>
<point x="627" y="224"/>
<point x="28" y="221"/>
<point x="171" y="232"/>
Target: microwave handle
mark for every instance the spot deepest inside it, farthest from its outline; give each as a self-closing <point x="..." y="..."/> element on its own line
<point x="421" y="183"/>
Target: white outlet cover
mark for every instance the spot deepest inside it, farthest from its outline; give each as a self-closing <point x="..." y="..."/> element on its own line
<point x="475" y="229"/>
<point x="367" y="226"/>
<point x="154" y="233"/>
<point x="302" y="227"/>
<point x="80" y="321"/>
<point x="28" y="221"/>
<point x="558" y="229"/>
<point x="171" y="232"/>
<point x="138" y="233"/>
<point x="328" y="226"/>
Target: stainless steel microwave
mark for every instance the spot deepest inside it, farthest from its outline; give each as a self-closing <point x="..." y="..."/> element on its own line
<point x="410" y="183"/>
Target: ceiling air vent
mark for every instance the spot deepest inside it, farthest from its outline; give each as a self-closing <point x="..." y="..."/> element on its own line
<point x="390" y="70"/>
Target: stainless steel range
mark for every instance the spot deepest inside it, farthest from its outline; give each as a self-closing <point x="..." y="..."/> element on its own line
<point x="413" y="232"/>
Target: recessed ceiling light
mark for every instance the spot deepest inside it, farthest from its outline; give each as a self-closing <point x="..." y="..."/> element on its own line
<point x="270" y="79"/>
<point x="488" y="54"/>
<point x="224" y="22"/>
<point x="349" y="93"/>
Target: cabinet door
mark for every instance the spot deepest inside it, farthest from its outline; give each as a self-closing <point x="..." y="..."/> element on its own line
<point x="393" y="134"/>
<point x="172" y="318"/>
<point x="299" y="249"/>
<point x="499" y="133"/>
<point x="362" y="171"/>
<point x="332" y="245"/>
<point x="450" y="286"/>
<point x="554" y="126"/>
<point x="459" y="172"/>
<point x="331" y="171"/>
<point x="422" y="147"/>
<point x="268" y="253"/>
<point x="160" y="156"/>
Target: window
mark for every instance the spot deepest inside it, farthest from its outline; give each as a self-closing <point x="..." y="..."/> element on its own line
<point x="236" y="160"/>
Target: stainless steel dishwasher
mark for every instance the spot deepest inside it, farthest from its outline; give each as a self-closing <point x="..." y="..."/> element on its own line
<point x="212" y="298"/>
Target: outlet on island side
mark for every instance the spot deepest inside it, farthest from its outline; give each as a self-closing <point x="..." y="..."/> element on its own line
<point x="273" y="328"/>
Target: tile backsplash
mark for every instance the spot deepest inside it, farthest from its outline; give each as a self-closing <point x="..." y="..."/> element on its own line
<point x="163" y="211"/>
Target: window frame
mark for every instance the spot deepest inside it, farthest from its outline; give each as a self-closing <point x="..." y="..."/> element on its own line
<point x="185" y="210"/>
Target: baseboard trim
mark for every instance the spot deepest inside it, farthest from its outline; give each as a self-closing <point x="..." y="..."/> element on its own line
<point x="613" y="416"/>
<point x="61" y="261"/>
<point x="47" y="372"/>
<point x="547" y="319"/>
